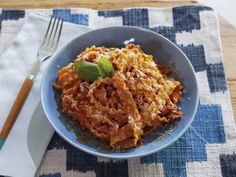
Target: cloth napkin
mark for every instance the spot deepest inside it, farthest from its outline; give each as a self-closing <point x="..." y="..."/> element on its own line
<point x="26" y="143"/>
<point x="207" y="148"/>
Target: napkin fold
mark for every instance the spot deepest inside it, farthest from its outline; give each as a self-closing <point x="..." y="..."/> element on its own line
<point x="25" y="145"/>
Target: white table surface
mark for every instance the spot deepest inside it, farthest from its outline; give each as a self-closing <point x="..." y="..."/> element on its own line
<point x="226" y="8"/>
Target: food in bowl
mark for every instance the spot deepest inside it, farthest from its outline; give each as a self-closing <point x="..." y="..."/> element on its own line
<point x="119" y="95"/>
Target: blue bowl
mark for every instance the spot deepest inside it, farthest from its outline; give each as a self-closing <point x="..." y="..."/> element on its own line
<point x="151" y="43"/>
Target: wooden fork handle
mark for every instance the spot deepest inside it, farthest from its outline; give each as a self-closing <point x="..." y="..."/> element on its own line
<point x="16" y="107"/>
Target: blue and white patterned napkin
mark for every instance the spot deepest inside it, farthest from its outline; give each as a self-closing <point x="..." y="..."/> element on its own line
<point x="208" y="147"/>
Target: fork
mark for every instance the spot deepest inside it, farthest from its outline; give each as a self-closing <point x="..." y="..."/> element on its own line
<point x="45" y="51"/>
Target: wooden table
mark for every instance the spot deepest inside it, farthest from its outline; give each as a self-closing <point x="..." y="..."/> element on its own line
<point x="227" y="31"/>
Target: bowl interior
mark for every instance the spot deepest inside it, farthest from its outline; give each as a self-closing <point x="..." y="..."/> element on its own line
<point x="151" y="43"/>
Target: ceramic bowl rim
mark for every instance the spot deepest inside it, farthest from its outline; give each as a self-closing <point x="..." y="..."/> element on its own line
<point x="114" y="156"/>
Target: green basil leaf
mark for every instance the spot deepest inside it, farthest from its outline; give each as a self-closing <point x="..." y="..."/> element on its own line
<point x="86" y="70"/>
<point x="105" y="67"/>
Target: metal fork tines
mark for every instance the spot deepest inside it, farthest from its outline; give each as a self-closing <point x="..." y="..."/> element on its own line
<point x="49" y="44"/>
<point x="51" y="39"/>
